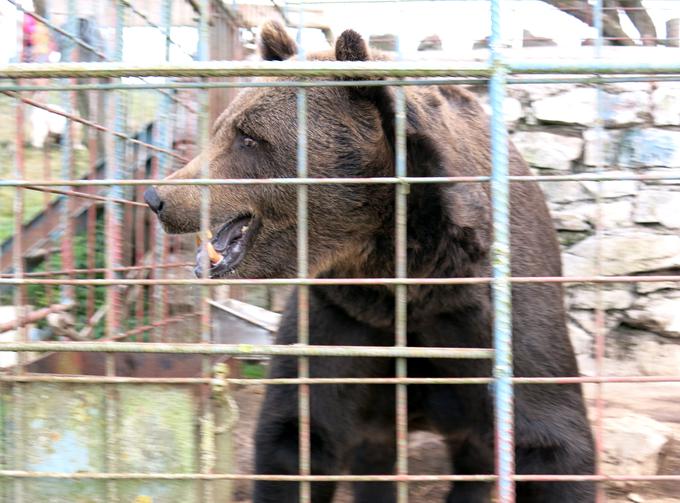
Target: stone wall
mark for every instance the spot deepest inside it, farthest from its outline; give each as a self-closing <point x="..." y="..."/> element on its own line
<point x="554" y="128"/>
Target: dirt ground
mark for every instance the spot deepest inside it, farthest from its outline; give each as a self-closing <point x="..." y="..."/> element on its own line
<point x="427" y="453"/>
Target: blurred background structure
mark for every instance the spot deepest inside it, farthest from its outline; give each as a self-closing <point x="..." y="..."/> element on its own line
<point x="80" y="129"/>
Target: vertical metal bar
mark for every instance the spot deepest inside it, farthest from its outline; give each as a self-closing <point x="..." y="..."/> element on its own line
<point x="304" y="433"/>
<point x="162" y="131"/>
<point x="111" y="461"/>
<point x="115" y="159"/>
<point x="601" y="496"/>
<point x="19" y="303"/>
<point x="208" y="423"/>
<point x="115" y="162"/>
<point x="303" y="296"/>
<point x="500" y="286"/>
<point x="47" y="225"/>
<point x="67" y="261"/>
<point x="91" y="226"/>
<point x="401" y="292"/>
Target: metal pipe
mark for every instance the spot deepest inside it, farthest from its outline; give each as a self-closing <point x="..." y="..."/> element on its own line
<point x="345" y="181"/>
<point x="331" y="478"/>
<point x="337" y="69"/>
<point x="342" y="281"/>
<point x="84" y="195"/>
<point x="34" y="316"/>
<point x="333" y="380"/>
<point x="247" y="349"/>
<point x="500" y="261"/>
<point x="93" y="125"/>
<point x="591" y="79"/>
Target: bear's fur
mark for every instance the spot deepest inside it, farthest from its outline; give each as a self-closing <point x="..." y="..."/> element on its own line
<point x="351" y="234"/>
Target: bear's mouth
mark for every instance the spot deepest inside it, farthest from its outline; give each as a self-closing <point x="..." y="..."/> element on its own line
<point x="227" y="247"/>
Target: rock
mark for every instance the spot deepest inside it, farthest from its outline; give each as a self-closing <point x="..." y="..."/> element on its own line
<point x="623" y="252"/>
<point x="656" y="206"/>
<point x="666" y="105"/>
<point x="655" y="357"/>
<point x="580" y="339"/>
<point x="601" y="147"/>
<point x="535" y="93"/>
<point x="671" y="177"/>
<point x="613" y="297"/>
<point x="626" y="108"/>
<point x="580" y="106"/>
<point x="548" y="150"/>
<point x="576" y="106"/>
<point x="564" y="192"/>
<point x="622" y="87"/>
<point x="613" y="188"/>
<point x="658" y="313"/>
<point x="633" y="444"/>
<point x="614" y="214"/>
<point x="512" y="109"/>
<point x="654" y="286"/>
<point x="567" y="221"/>
<point x="650" y="147"/>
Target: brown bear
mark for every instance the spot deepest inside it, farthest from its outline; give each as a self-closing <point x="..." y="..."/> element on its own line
<point x="351" y="133"/>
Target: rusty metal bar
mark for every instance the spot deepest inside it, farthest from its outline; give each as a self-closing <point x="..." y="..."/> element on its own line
<point x="343" y="281"/>
<point x="68" y="293"/>
<point x="26" y="319"/>
<point x="207" y="422"/>
<point x="592" y="79"/>
<point x="591" y="177"/>
<point x="339" y="69"/>
<point x="91" y="124"/>
<point x="303" y="295"/>
<point x="248" y="349"/>
<point x="333" y="380"/>
<point x="330" y="478"/>
<point x="400" y="306"/>
<point x="84" y="195"/>
<point x="72" y="272"/>
<point x="600" y="496"/>
<point x="18" y="453"/>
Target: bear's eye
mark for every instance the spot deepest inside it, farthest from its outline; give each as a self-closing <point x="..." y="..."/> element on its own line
<point x="248" y="142"/>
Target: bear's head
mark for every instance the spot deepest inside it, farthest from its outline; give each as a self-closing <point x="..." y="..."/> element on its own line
<point x="350" y="133"/>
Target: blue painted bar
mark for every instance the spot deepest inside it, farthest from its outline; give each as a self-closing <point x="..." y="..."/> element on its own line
<point x="500" y="286"/>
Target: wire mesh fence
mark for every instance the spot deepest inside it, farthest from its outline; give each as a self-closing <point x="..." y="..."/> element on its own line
<point x="127" y="286"/>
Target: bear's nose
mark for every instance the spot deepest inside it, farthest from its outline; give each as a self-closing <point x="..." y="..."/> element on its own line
<point x="154" y="201"/>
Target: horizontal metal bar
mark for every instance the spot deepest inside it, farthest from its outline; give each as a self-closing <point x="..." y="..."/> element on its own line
<point x="387" y="180"/>
<point x="338" y="281"/>
<point x="455" y="380"/>
<point x="107" y="379"/>
<point x="333" y="380"/>
<point x="247" y="349"/>
<point x="331" y="478"/>
<point x="342" y="69"/>
<point x="84" y="195"/>
<point x="73" y="272"/>
<point x="93" y="125"/>
<point x="340" y="83"/>
<point x="34" y="316"/>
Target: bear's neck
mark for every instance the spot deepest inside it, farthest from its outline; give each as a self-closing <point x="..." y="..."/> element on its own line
<point x="432" y="252"/>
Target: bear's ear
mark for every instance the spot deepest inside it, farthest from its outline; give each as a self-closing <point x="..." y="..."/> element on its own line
<point x="350" y="46"/>
<point x="275" y="43"/>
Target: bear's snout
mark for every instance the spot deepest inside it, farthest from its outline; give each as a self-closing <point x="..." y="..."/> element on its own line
<point x="153" y="200"/>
